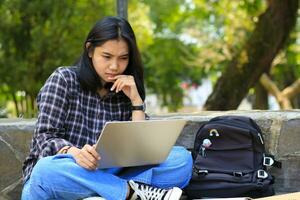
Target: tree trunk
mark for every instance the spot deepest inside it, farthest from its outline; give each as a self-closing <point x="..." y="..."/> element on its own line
<point x="283" y="97"/>
<point x="288" y="78"/>
<point x="296" y="102"/>
<point x="33" y="105"/>
<point x="28" y="109"/>
<point x="261" y="98"/>
<point x="22" y="106"/>
<point x="243" y="72"/>
<point x="16" y="103"/>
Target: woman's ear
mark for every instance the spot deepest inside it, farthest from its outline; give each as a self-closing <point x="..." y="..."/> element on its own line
<point x="88" y="48"/>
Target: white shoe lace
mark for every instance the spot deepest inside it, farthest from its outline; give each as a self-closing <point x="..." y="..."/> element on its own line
<point x="145" y="192"/>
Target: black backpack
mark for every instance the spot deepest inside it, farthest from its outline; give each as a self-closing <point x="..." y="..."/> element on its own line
<point x="230" y="160"/>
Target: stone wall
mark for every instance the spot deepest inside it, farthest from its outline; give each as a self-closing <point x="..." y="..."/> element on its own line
<point x="281" y="131"/>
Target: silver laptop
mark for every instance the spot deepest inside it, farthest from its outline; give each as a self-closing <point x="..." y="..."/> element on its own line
<point x="136" y="143"/>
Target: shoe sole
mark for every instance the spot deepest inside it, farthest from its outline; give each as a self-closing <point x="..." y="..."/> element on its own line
<point x="176" y="194"/>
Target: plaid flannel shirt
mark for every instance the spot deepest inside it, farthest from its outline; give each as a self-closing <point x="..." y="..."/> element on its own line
<point x="70" y="116"/>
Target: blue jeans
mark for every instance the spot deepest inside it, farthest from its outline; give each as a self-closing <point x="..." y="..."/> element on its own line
<point x="59" y="177"/>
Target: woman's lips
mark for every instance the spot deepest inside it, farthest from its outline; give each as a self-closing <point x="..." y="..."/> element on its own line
<point x="110" y="76"/>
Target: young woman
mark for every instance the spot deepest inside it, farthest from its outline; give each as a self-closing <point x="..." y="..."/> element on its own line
<point x="74" y="104"/>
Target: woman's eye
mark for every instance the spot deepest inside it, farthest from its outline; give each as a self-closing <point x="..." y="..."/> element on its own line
<point x="124" y="58"/>
<point x="107" y="57"/>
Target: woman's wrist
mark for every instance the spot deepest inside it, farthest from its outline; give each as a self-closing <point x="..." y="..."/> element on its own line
<point x="137" y="102"/>
<point x="64" y="150"/>
<point x="74" y="151"/>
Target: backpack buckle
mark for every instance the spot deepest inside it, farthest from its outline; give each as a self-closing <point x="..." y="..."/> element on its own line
<point x="262" y="174"/>
<point x="202" y="172"/>
<point x="268" y="161"/>
<point x="238" y="174"/>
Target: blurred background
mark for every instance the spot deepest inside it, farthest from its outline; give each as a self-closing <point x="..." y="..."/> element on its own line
<point x="198" y="54"/>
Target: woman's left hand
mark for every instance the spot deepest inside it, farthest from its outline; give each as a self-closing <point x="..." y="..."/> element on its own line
<point x="126" y="83"/>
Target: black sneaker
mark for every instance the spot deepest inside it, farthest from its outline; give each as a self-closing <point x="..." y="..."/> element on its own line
<point x="147" y="192"/>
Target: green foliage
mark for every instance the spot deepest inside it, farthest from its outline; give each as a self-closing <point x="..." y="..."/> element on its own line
<point x="194" y="39"/>
<point x="286" y="67"/>
<point x="165" y="70"/>
<point x="165" y="14"/>
<point x="38" y="36"/>
<point x="182" y="41"/>
<point x="141" y="23"/>
<point x="168" y="56"/>
<point x="220" y="28"/>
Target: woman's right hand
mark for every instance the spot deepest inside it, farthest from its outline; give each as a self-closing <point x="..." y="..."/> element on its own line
<point x="87" y="157"/>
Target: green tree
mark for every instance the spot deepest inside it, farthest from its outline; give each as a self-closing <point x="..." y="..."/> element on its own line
<point x="165" y="51"/>
<point x="245" y="69"/>
<point x="182" y="41"/>
<point x="287" y="68"/>
<point x="210" y="33"/>
<point x="38" y="36"/>
<point x="165" y="70"/>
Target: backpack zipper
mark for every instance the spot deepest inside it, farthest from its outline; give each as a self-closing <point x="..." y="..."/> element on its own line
<point x="220" y="171"/>
<point x="250" y="131"/>
<point x="202" y="151"/>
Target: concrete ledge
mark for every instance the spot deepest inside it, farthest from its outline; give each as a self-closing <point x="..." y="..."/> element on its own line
<point x="281" y="131"/>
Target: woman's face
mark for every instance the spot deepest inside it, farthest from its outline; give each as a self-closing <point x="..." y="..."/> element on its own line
<point x="110" y="59"/>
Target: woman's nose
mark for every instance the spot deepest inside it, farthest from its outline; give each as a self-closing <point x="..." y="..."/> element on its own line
<point x="114" y="65"/>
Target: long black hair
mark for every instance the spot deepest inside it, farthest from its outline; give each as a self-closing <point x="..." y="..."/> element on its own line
<point x="110" y="28"/>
